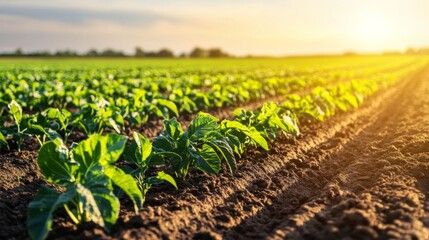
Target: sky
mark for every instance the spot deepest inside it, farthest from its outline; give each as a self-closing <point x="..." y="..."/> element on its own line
<point x="269" y="27"/>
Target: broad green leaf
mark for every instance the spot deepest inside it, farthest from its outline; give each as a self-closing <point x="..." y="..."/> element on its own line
<point x="291" y="124"/>
<point x="267" y="110"/>
<point x="114" y="125"/>
<point x="139" y="150"/>
<point x="169" y="105"/>
<point x="206" y="160"/>
<point x="166" y="177"/>
<point x="86" y="198"/>
<point x="342" y="106"/>
<point x="54" y="113"/>
<point x="163" y="144"/>
<point x="222" y="147"/>
<point x="351" y="99"/>
<point x="107" y="202"/>
<point x="188" y="104"/>
<point x="235" y="143"/>
<point x="55" y="164"/>
<point x="286" y="124"/>
<point x="156" y="159"/>
<point x="34" y="128"/>
<point x="235" y="125"/>
<point x="173" y="128"/>
<point x="257" y="138"/>
<point x="52" y="134"/>
<point x="155" y="110"/>
<point x="16" y="111"/>
<point x="109" y="207"/>
<point x="127" y="183"/>
<point x="201" y="125"/>
<point x="239" y="112"/>
<point x="42" y="207"/>
<point x="99" y="149"/>
<point x="3" y="140"/>
<point x="251" y="132"/>
<point x="171" y="155"/>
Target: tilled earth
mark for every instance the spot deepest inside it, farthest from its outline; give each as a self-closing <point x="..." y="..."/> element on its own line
<point x="359" y="175"/>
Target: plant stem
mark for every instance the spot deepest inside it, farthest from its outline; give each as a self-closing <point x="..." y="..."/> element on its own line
<point x="70" y="213"/>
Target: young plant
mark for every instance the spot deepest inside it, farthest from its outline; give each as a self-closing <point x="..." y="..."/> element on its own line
<point x="56" y="120"/>
<point x="49" y="124"/>
<point x="19" y="133"/>
<point x="143" y="105"/>
<point x="140" y="154"/>
<point x="95" y="118"/>
<point x="87" y="176"/>
<point x="240" y="136"/>
<point x="269" y="121"/>
<point x="304" y="108"/>
<point x="202" y="145"/>
<point x="162" y="108"/>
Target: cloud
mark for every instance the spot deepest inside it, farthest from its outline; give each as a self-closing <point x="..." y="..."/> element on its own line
<point x="81" y="16"/>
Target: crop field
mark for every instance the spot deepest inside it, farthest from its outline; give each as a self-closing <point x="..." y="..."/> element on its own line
<point x="237" y="148"/>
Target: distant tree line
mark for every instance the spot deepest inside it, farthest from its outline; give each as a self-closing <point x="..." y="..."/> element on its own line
<point x="197" y="52"/>
<point x="424" y="51"/>
<point x="138" y="53"/>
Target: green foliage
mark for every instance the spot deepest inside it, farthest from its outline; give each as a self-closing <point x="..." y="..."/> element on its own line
<point x="15" y="112"/>
<point x="3" y="141"/>
<point x="304" y="107"/>
<point x="140" y="154"/>
<point x="95" y="118"/>
<point x="202" y="146"/>
<point x="88" y="176"/>
<point x="325" y="102"/>
<point x="239" y="136"/>
<point x="269" y="121"/>
<point x="110" y="98"/>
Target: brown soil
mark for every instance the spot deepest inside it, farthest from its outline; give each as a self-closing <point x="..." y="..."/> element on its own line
<point x="359" y="175"/>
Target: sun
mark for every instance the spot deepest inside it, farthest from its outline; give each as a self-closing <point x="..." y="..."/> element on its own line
<point x="373" y="28"/>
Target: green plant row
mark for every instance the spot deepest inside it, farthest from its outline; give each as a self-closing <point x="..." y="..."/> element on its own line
<point x="139" y="99"/>
<point x="97" y="117"/>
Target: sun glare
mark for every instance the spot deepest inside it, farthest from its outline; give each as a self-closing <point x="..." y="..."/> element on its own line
<point x="373" y="28"/>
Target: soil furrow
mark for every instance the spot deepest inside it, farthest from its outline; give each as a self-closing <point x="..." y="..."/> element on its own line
<point x="382" y="192"/>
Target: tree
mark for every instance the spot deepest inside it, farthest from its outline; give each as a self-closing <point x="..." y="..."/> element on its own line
<point x="112" y="53"/>
<point x="165" y="53"/>
<point x="92" y="53"/>
<point x="66" y="53"/>
<point x="198" y="53"/>
<point x="217" y="53"/>
<point x="139" y="52"/>
<point x="18" y="52"/>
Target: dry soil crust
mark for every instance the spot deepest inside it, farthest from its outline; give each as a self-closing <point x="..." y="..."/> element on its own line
<point x="359" y="175"/>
